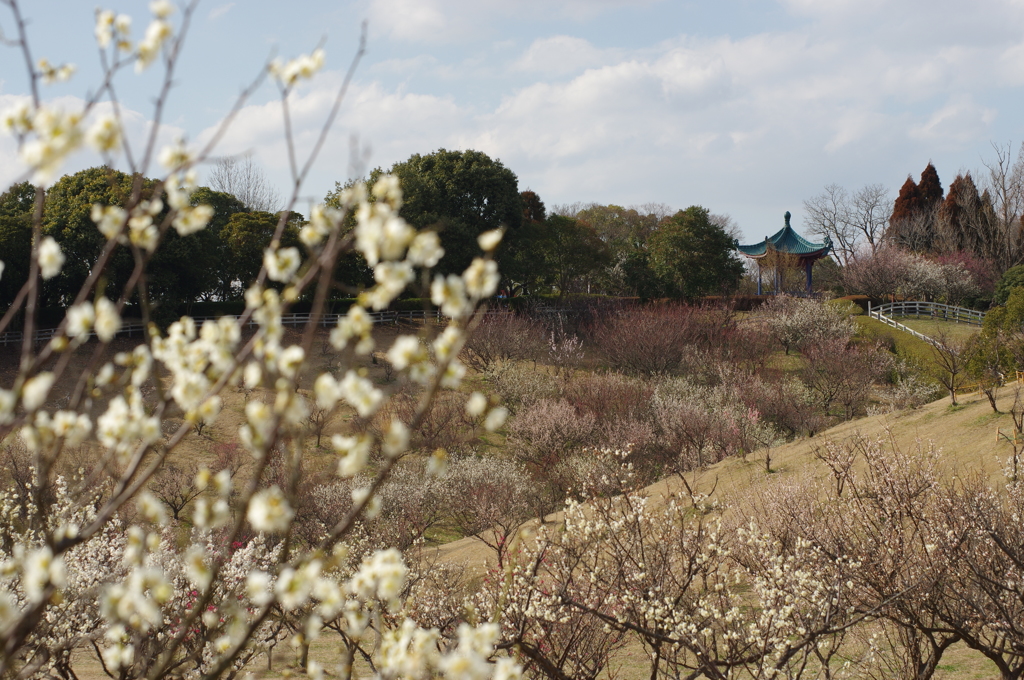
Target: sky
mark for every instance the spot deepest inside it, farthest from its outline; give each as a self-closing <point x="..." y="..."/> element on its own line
<point x="745" y="107"/>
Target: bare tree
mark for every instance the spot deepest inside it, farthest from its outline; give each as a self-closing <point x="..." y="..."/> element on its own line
<point x="245" y="180"/>
<point x="826" y="216"/>
<point x="851" y="221"/>
<point x="175" y="486"/>
<point x="949" y="363"/>
<point x="726" y="222"/>
<point x="869" y="212"/>
<point x="501" y="337"/>
<point x="1005" y="185"/>
<point x="317" y="420"/>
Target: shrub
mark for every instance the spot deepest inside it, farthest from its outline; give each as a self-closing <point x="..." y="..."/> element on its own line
<point x="502" y="337"/>
<point x="799" y="322"/>
<point x="519" y="385"/>
<point x="656" y="339"/>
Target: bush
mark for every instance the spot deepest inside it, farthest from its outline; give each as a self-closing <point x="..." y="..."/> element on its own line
<point x="1011" y="278"/>
<point x="519" y="385"/>
<point x="656" y="339"/>
<point x="502" y="337"/>
<point x="800" y="323"/>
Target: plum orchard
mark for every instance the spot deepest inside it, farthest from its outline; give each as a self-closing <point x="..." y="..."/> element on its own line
<point x="90" y="562"/>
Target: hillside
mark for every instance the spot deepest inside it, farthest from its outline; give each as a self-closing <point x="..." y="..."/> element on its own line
<point x="966" y="436"/>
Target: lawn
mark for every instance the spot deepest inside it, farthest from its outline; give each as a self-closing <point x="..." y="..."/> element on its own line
<point x="935" y="329"/>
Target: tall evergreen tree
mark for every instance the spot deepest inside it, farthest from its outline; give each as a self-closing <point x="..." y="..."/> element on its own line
<point x="930" y="188"/>
<point x="907" y="204"/>
<point x="912" y="224"/>
<point x="956" y="215"/>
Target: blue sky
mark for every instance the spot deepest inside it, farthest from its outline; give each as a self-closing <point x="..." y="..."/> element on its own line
<point x="746" y="107"/>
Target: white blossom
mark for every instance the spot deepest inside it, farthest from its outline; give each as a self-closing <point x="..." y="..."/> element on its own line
<point x="80" y="319"/>
<point x="361" y="394"/>
<point x="355" y="453"/>
<point x="495" y="418"/>
<point x="104" y="136"/>
<point x="282" y="263"/>
<point x="269" y="510"/>
<point x="41" y="569"/>
<point x="355" y="324"/>
<point x="303" y="67"/>
<point x="51" y="259"/>
<point x="476" y="404"/>
<point x="396" y="440"/>
<point x="406" y="351"/>
<point x="109" y="219"/>
<point x="152" y="509"/>
<point x="108" y="321"/>
<point x="481" y="278"/>
<point x="449" y="293"/>
<point x="291" y="360"/>
<point x="425" y="249"/>
<point x="36" y="389"/>
<point x="489" y="240"/>
<point x="258" y="587"/>
<point x="175" y="156"/>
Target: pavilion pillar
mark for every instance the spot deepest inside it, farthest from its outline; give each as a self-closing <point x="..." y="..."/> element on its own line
<point x="808" y="266"/>
<point x="759" y="278"/>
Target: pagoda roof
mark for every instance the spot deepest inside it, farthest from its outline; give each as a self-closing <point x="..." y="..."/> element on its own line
<point x="786" y="240"/>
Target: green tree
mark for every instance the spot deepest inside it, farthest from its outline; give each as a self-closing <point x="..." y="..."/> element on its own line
<point x="692" y="256"/>
<point x="19" y="199"/>
<point x="16" y="206"/>
<point x="533" y="207"/>
<point x="67" y="219"/>
<point x="571" y="252"/>
<point x="460" y="194"/>
<point x="1012" y="278"/>
<point x="15" y="252"/>
<point x="246" y="235"/>
<point x="182" y="270"/>
<point x="224" y="206"/>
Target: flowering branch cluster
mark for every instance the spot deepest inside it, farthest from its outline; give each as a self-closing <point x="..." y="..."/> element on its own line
<point x="77" y="575"/>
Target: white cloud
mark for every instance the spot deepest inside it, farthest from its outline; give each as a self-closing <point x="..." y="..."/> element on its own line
<point x="448" y="21"/>
<point x="559" y="55"/>
<point x="414" y="20"/>
<point x="220" y="10"/>
<point x="961" y="121"/>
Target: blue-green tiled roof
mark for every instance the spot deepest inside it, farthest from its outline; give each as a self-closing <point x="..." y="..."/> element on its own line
<point x="786" y="240"/>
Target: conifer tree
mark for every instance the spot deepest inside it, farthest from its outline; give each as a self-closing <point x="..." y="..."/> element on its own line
<point x="905" y="211"/>
<point x="913" y="222"/>
<point x="930" y="188"/>
<point x="907" y="203"/>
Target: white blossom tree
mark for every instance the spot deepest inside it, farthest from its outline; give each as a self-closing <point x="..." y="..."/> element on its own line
<point x="76" y="577"/>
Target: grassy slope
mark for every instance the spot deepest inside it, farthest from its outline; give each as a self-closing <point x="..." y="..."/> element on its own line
<point x="958" y="331"/>
<point x="965" y="435"/>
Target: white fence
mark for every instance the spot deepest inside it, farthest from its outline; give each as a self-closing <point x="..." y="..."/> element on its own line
<point x="924" y="310"/>
<point x="930" y="310"/>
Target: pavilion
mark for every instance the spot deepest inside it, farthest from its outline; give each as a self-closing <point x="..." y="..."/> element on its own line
<point x="786" y="242"/>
